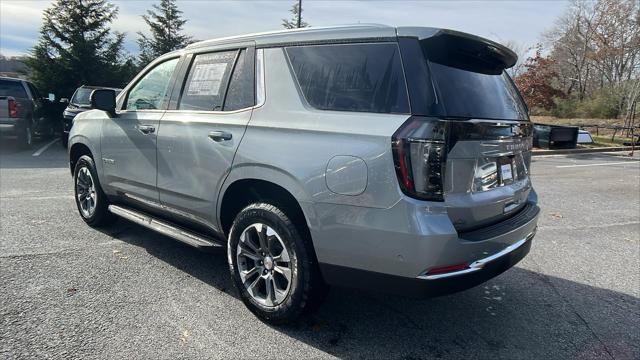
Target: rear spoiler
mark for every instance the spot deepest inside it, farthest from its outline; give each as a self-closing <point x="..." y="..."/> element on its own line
<point x="462" y="50"/>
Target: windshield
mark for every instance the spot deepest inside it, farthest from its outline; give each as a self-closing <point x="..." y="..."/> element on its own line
<point x="81" y="96"/>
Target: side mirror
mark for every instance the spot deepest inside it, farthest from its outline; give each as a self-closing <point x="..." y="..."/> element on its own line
<point x="64" y="100"/>
<point x="105" y="100"/>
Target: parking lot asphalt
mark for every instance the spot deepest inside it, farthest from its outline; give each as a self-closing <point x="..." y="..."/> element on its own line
<point x="70" y="291"/>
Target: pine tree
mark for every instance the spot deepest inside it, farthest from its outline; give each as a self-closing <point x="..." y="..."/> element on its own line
<point x="77" y="47"/>
<point x="296" y="17"/>
<point x="165" y="24"/>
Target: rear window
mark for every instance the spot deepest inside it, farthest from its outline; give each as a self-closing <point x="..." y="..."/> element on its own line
<point x="351" y="77"/>
<point x="471" y="94"/>
<point x="12" y="88"/>
<point x="470" y="86"/>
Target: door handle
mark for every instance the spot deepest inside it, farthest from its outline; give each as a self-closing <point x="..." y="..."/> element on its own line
<point x="146" y="129"/>
<point x="218" y="136"/>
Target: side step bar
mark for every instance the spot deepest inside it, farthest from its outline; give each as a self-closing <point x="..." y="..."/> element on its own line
<point x="187" y="237"/>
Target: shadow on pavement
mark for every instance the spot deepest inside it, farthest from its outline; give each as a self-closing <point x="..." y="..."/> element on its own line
<point x="520" y="314"/>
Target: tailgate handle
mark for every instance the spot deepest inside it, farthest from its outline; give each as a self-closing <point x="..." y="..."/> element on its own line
<point x="220" y="136"/>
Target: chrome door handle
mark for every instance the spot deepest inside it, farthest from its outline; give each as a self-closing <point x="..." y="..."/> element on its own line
<point x="146" y="129"/>
<point x="220" y="136"/>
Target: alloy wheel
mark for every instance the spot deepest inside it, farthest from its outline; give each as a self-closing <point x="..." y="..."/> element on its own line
<point x="264" y="264"/>
<point x="86" y="192"/>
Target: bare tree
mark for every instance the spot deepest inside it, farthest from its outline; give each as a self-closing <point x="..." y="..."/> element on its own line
<point x="522" y="50"/>
<point x="597" y="48"/>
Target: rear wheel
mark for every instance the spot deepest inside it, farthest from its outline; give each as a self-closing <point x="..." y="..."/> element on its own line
<point x="272" y="264"/>
<point x="91" y="201"/>
<point x="25" y="137"/>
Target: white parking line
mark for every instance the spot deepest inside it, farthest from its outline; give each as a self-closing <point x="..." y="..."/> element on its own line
<point x="601" y="164"/>
<point x="42" y="149"/>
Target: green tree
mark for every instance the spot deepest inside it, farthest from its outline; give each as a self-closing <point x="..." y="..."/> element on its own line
<point x="166" y="24"/>
<point x="296" y="17"/>
<point x="77" y="47"/>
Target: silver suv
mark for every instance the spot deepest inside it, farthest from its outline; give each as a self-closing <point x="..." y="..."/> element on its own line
<point x="393" y="159"/>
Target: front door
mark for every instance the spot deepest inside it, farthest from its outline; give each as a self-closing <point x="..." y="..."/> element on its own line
<point x="129" y="139"/>
<point x="198" y="139"/>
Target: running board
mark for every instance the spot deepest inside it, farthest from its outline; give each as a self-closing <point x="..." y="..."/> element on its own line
<point x="165" y="228"/>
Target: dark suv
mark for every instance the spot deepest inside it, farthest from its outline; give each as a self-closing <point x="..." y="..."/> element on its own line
<point x="79" y="103"/>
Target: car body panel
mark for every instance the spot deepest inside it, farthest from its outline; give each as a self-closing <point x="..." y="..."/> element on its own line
<point x="192" y="165"/>
<point x="129" y="156"/>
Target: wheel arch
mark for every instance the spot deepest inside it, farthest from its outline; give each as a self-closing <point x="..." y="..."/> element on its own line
<point x="77" y="150"/>
<point x="240" y="192"/>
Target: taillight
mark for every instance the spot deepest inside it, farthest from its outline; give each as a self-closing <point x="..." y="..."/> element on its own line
<point x="13" y="108"/>
<point x="420" y="153"/>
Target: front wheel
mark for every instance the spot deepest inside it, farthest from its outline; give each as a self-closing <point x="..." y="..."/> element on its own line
<point x="272" y="264"/>
<point x="91" y="201"/>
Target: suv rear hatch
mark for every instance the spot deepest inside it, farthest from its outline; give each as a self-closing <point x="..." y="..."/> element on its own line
<point x="468" y="141"/>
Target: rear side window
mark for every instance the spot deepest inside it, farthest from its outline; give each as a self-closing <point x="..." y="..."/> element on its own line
<point x="240" y="94"/>
<point x="351" y="77"/>
<point x="34" y="91"/>
<point x="207" y="81"/>
<point x="12" y="88"/>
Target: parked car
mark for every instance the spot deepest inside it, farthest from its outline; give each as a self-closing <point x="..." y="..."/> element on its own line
<point x="79" y="103"/>
<point x="353" y="156"/>
<point x="23" y="111"/>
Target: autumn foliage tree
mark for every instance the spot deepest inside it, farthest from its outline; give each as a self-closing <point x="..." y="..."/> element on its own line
<point x="535" y="83"/>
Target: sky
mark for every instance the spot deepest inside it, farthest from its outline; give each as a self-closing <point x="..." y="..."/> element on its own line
<point x="522" y="22"/>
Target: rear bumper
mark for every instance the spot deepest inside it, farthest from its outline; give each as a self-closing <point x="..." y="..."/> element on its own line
<point x="430" y="285"/>
<point x="9" y="125"/>
<point x="404" y="249"/>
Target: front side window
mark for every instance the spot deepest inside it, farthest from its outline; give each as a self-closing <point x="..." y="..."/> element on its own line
<point x="150" y="92"/>
<point x="351" y="77"/>
<point x="207" y="81"/>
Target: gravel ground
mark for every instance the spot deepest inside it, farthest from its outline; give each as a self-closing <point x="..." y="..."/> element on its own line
<point x="69" y="291"/>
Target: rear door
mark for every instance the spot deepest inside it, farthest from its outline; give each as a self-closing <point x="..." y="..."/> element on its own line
<point x="129" y="139"/>
<point x="199" y="135"/>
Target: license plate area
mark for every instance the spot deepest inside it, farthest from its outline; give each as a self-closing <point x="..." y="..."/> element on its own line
<point x="505" y="169"/>
<point x="494" y="172"/>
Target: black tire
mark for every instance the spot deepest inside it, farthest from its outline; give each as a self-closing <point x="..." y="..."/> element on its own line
<point x="64" y="140"/>
<point x="25" y="137"/>
<point x="306" y="285"/>
<point x="101" y="215"/>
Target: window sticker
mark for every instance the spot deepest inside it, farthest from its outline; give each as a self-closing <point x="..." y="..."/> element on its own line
<point x="207" y="79"/>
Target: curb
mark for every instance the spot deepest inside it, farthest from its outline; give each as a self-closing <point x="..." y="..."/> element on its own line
<point x="583" y="151"/>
